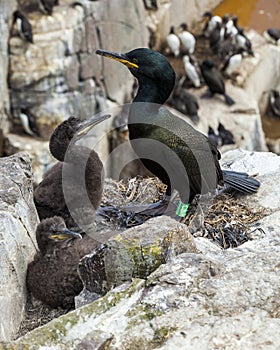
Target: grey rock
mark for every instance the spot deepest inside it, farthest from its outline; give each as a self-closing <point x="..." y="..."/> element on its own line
<point x="202" y="299"/>
<point x="134" y="253"/>
<point x="38" y="152"/>
<point x="18" y="221"/>
<point x="267" y="168"/>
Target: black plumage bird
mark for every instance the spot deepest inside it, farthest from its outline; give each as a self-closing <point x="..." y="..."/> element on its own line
<point x="24" y="26"/>
<point x="226" y="135"/>
<point x="52" y="276"/>
<point x="76" y="163"/>
<point x="182" y="157"/>
<point x="214" y="80"/>
<point x="215" y="37"/>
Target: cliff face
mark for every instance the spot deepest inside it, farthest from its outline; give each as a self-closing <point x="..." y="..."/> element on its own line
<point x="60" y="74"/>
<point x="7" y="7"/>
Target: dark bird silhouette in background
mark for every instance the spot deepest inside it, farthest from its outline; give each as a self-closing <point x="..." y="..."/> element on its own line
<point x="23" y="25"/>
<point x="215" y="37"/>
<point x="80" y="163"/>
<point x="182" y="157"/>
<point x="214" y="137"/>
<point x="214" y="80"/>
<point x="46" y="6"/>
<point x="274" y="34"/>
<point x="226" y="135"/>
<point x="52" y="276"/>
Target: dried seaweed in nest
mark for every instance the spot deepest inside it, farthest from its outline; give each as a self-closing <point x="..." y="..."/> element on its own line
<point x="228" y="222"/>
<point x="134" y="195"/>
<point x="142" y="190"/>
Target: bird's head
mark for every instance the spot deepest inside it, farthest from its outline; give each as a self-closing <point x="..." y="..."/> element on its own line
<point x="234" y="19"/>
<point x="207" y="14"/>
<point x="149" y="67"/>
<point x="225" y="18"/>
<point x="52" y="231"/>
<point x="208" y="64"/>
<point x="275" y="93"/>
<point x="184" y="26"/>
<point x="71" y="129"/>
<point x="18" y="14"/>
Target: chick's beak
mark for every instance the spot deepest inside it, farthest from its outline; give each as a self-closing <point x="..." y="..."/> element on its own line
<point x="64" y="235"/>
<point x="88" y="124"/>
<point x="120" y="57"/>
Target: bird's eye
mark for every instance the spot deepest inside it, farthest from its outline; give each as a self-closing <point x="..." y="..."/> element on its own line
<point x="134" y="60"/>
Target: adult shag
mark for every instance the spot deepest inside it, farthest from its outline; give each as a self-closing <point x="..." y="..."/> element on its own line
<point x="53" y="275"/>
<point x="182" y="157"/>
<point x="76" y="162"/>
<point x="214" y="80"/>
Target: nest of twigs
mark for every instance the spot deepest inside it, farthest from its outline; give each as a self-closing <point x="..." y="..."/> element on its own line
<point x="223" y="218"/>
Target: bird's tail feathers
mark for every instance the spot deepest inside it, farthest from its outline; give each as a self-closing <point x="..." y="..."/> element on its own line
<point x="241" y="182"/>
<point x="229" y="100"/>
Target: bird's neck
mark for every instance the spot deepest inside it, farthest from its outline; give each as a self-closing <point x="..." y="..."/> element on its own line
<point x="152" y="91"/>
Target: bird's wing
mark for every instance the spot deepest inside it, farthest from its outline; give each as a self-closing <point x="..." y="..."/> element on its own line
<point x="49" y="192"/>
<point x="195" y="151"/>
<point x="27" y="29"/>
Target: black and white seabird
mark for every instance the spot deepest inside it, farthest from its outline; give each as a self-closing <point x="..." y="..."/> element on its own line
<point x="214" y="80"/>
<point x="210" y="23"/>
<point x="78" y="162"/>
<point x="24" y="27"/>
<point x="233" y="62"/>
<point x="173" y="42"/>
<point x="236" y="25"/>
<point x="52" y="276"/>
<point x="274" y="102"/>
<point x="191" y="71"/>
<point x="187" y="38"/>
<point x="151" y="4"/>
<point x="28" y="122"/>
<point x="242" y="41"/>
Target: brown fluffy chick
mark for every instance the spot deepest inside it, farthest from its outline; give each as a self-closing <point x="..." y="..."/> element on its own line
<point x="53" y="277"/>
<point x="62" y="185"/>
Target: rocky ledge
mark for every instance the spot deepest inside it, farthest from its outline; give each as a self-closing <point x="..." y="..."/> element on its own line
<point x="197" y="295"/>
